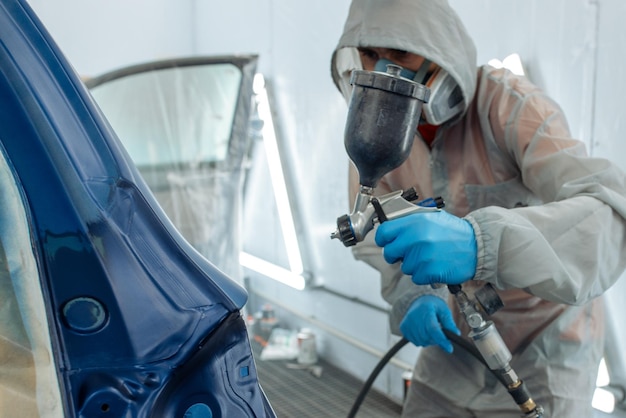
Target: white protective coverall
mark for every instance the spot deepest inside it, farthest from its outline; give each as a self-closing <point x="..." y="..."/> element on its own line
<point x="549" y="220"/>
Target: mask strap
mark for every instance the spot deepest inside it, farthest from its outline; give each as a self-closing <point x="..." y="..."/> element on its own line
<point x="422" y="72"/>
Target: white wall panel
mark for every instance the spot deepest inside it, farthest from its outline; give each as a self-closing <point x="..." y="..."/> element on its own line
<point x="610" y="83"/>
<point x="556" y="40"/>
<point x="102" y="35"/>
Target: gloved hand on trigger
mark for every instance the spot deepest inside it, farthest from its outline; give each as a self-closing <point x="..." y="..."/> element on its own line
<point x="425" y="320"/>
<point x="434" y="247"/>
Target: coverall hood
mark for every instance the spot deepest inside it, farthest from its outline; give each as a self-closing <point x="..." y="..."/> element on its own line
<point x="429" y="28"/>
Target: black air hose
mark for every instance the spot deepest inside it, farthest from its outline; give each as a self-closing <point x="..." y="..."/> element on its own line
<point x="392" y="352"/>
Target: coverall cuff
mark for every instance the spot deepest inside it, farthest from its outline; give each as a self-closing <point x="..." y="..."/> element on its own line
<point x="486" y="257"/>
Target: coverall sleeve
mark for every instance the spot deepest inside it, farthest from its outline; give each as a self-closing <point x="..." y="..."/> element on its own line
<point x="573" y="247"/>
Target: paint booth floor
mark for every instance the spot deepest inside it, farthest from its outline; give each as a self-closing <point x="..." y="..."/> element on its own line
<point x="298" y="393"/>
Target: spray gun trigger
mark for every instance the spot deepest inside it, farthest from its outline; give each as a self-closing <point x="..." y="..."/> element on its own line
<point x="379" y="210"/>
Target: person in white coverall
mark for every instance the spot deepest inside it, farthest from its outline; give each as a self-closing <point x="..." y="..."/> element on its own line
<point x="527" y="210"/>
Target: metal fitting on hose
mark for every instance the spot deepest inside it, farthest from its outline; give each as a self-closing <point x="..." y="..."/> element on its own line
<point x="522" y="397"/>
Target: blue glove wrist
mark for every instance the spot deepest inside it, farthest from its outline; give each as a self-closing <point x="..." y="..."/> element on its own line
<point x="434" y="247"/>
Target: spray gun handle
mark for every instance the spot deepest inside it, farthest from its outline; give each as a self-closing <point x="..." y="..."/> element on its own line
<point x="410" y="195"/>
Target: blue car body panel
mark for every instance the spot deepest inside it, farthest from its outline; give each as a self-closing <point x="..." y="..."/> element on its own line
<point x="143" y="326"/>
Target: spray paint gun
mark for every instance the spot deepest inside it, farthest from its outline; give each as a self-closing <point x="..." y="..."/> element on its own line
<point x="383" y="115"/>
<point x="382" y="119"/>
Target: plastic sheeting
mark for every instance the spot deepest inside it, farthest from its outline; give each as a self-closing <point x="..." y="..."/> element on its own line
<point x="185" y="125"/>
<point x="28" y="382"/>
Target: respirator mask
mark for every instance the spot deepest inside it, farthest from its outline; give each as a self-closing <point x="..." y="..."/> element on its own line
<point x="446" y="98"/>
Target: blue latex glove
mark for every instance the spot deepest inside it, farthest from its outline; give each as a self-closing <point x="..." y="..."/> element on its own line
<point x="434" y="247"/>
<point x="425" y="320"/>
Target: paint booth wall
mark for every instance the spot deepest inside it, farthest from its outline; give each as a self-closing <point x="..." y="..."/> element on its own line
<point x="571" y="48"/>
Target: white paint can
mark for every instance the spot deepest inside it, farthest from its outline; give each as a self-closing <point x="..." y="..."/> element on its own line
<point x="407" y="376"/>
<point x="307" y="351"/>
